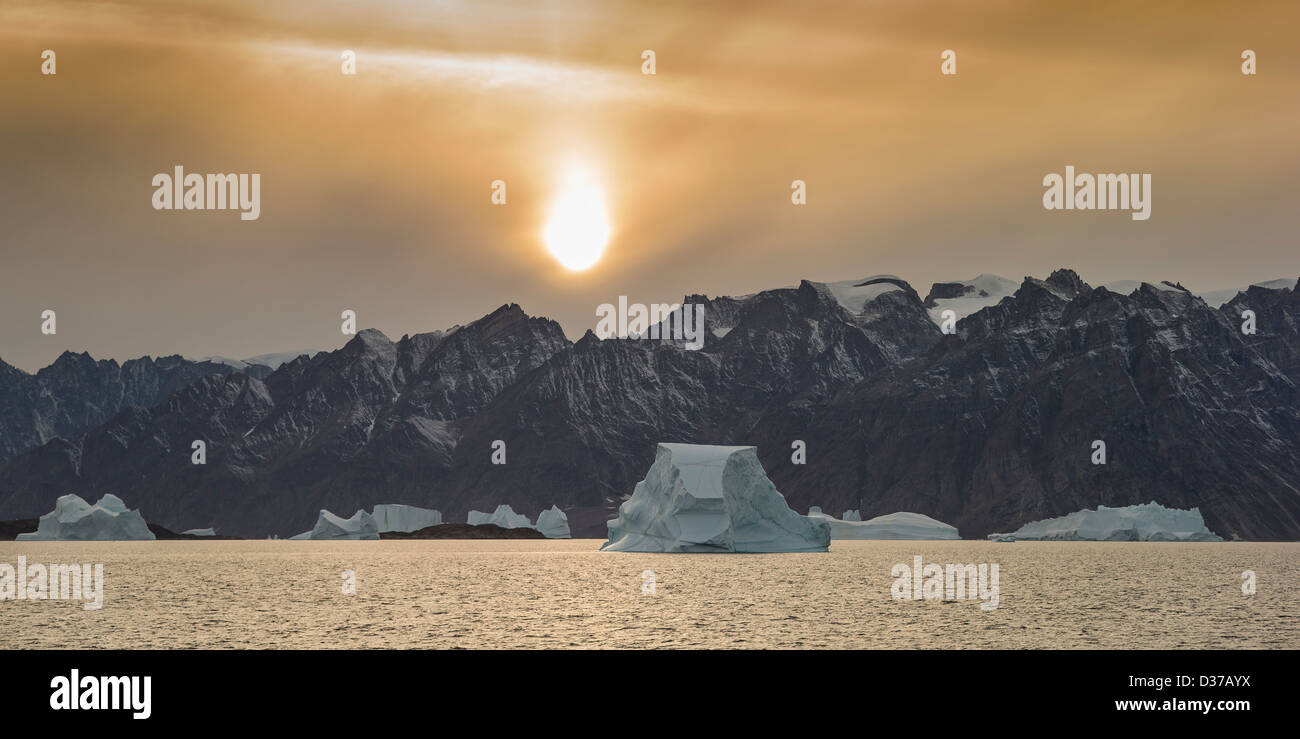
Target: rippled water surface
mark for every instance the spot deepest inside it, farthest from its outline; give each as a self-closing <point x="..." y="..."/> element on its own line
<point x="566" y="594"/>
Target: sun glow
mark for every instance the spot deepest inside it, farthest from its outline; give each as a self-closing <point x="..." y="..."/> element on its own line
<point x="578" y="228"/>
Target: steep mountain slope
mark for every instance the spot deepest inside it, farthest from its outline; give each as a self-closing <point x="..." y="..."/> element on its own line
<point x="995" y="426"/>
<point x="77" y="393"/>
<point x="415" y="421"/>
<point x="986" y="429"/>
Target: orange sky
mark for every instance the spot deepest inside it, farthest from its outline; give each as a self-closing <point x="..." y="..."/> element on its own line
<point x="375" y="188"/>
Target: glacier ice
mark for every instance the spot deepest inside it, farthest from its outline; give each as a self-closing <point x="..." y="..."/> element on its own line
<point x="405" y="518"/>
<point x="1145" y="522"/>
<point x="700" y="498"/>
<point x="504" y="516"/>
<point x="331" y="527"/>
<point x="553" y="523"/>
<point x="853" y="515"/>
<point x="901" y="525"/>
<point x="1216" y="298"/>
<point x="980" y="292"/>
<point x="200" y="532"/>
<point x="73" y="519"/>
<point x="855" y="294"/>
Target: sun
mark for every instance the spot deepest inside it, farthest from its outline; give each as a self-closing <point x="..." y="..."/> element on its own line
<point x="578" y="228"/>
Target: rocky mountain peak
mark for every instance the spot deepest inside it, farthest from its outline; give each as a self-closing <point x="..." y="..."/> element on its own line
<point x="1068" y="283"/>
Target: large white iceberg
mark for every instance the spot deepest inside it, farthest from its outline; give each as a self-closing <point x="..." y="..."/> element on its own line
<point x="331" y="527"/>
<point x="405" y="518"/>
<point x="900" y="525"/>
<point x="73" y="519"/>
<point x="504" y="516"/>
<point x="698" y="498"/>
<point x="1145" y="522"/>
<point x="553" y="523"/>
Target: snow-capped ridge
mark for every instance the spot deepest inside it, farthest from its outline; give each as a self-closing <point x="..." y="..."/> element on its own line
<point x="965" y="297"/>
<point x="854" y="295"/>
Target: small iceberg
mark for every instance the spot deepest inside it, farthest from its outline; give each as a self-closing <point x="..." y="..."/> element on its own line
<point x="1145" y="522"/>
<point x="553" y="523"/>
<point x="900" y="525"/>
<point x="700" y="498"/>
<point x="330" y="527"/>
<point x="504" y="516"/>
<point x="404" y="518"/>
<point x="73" y="519"/>
<point x="200" y="532"/>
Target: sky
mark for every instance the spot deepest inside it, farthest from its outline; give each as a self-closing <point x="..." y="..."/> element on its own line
<point x="376" y="187"/>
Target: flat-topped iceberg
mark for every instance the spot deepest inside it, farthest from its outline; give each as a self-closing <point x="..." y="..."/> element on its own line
<point x="553" y="523"/>
<point x="200" y="532"/>
<point x="331" y="527"/>
<point x="404" y="518"/>
<point x="699" y="498"/>
<point x="504" y="516"/>
<point x="1145" y="522"/>
<point x="900" y="525"/>
<point x="73" y="519"/>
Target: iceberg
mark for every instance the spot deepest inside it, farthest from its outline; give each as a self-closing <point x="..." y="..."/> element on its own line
<point x="700" y="498"/>
<point x="1145" y="522"/>
<point x="504" y="516"/>
<point x="200" y="532"/>
<point x="900" y="525"/>
<point x="331" y="527"/>
<point x="404" y="518"/>
<point x="553" y="523"/>
<point x="73" y="519"/>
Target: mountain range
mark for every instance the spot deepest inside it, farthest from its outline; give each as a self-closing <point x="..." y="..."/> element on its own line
<point x="987" y="428"/>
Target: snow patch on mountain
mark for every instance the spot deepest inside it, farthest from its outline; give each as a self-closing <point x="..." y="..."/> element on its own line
<point x="272" y="360"/>
<point x="854" y="295"/>
<point x="1216" y="298"/>
<point x="965" y="297"/>
<point x="1212" y="298"/>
